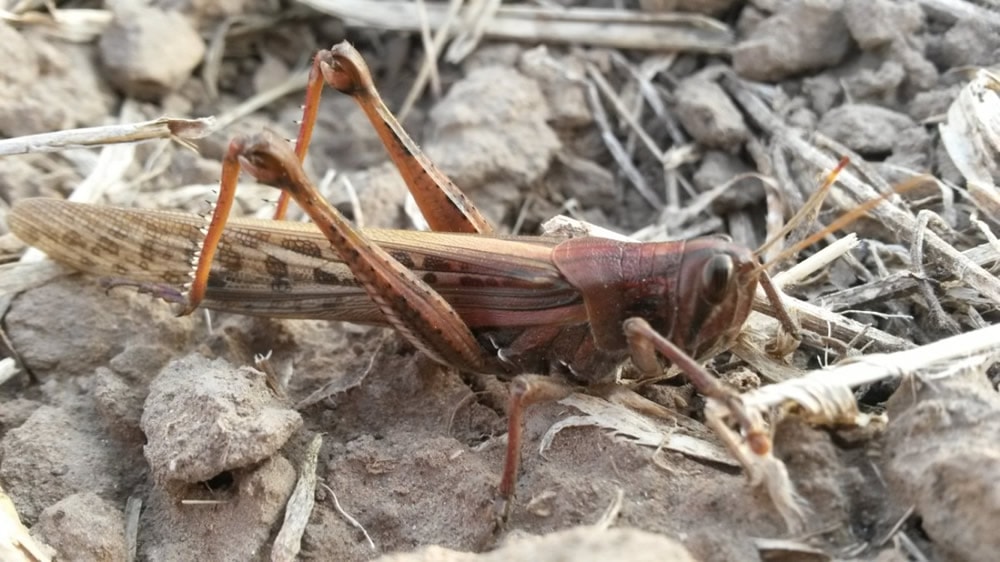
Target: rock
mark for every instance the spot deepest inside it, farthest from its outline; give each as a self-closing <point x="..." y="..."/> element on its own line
<point x="14" y="47"/>
<point x="874" y="23"/>
<point x="67" y="328"/>
<point x="56" y="454"/>
<point x="50" y="88"/>
<point x="580" y="544"/>
<point x="912" y="149"/>
<point x="15" y="412"/>
<point x="921" y="74"/>
<point x="119" y="402"/>
<point x="824" y="92"/>
<point x="491" y="135"/>
<point x="135" y="48"/>
<point x="23" y="177"/>
<point x="567" y="99"/>
<point x="590" y="183"/>
<point x="942" y="458"/>
<point x="823" y="475"/>
<point x="968" y="43"/>
<point x="709" y="116"/>
<point x="84" y="527"/>
<point x="804" y="35"/>
<point x="867" y="129"/>
<point x="380" y="190"/>
<point x="877" y="85"/>
<point x="933" y="103"/>
<point x="238" y="526"/>
<point x="344" y="132"/>
<point x="203" y="418"/>
<point x="188" y="167"/>
<point x="718" y="168"/>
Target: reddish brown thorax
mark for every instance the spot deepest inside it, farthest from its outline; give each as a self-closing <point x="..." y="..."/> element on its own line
<point x="696" y="292"/>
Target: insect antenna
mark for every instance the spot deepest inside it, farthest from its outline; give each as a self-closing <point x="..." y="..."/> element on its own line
<point x="809" y="210"/>
<point x="813" y="204"/>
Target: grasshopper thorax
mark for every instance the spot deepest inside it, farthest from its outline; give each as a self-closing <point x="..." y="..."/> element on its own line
<point x="697" y="293"/>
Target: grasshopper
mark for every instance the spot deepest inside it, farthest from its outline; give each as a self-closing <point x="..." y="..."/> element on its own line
<point x="550" y="313"/>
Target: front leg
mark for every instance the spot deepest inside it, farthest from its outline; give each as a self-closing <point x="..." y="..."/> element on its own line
<point x="644" y="342"/>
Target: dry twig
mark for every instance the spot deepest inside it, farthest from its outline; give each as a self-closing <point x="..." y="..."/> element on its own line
<point x="622" y="29"/>
<point x="903" y="223"/>
<point x="299" y="507"/>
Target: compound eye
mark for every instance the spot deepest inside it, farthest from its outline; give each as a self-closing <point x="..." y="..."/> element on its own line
<point x="715" y="278"/>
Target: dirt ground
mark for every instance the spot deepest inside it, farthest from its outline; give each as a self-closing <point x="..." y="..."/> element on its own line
<point x="127" y="421"/>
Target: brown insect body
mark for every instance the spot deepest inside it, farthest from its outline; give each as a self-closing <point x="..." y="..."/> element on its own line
<point x="535" y="304"/>
<point x="697" y="293"/>
<point x="470" y="299"/>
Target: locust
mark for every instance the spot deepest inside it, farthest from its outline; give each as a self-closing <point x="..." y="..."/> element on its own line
<point x="549" y="313"/>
